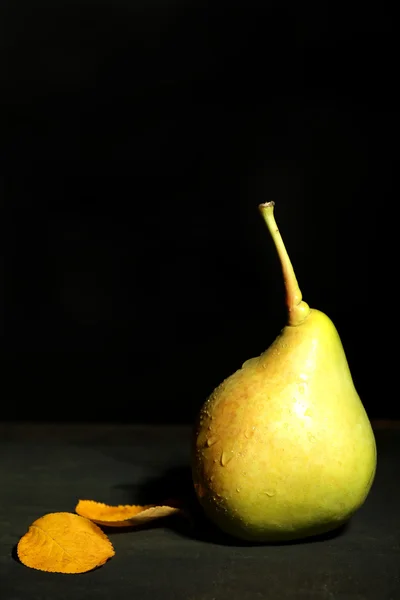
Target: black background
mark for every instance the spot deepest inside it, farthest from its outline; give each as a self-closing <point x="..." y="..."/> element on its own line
<point x="138" y="139"/>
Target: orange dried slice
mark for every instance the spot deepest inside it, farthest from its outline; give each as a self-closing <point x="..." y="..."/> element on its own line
<point x="123" y="515"/>
<point x="64" y="543"/>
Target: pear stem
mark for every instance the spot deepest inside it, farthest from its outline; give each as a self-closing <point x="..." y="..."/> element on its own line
<point x="297" y="309"/>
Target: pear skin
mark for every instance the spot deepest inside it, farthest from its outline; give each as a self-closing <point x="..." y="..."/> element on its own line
<point x="283" y="448"/>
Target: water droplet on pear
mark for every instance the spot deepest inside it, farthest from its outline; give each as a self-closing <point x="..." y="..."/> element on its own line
<point x="226" y="457"/>
<point x="211" y="441"/>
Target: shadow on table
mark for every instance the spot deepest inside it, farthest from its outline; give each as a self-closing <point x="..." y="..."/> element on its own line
<point x="176" y="484"/>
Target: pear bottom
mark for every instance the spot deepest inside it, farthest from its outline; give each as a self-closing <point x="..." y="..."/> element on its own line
<point x="251" y="502"/>
<point x="246" y="512"/>
<point x="265" y="532"/>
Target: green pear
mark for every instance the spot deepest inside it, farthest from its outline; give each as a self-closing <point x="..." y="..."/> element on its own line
<point x="283" y="448"/>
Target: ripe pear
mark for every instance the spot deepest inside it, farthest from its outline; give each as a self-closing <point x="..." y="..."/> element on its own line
<point x="283" y="448"/>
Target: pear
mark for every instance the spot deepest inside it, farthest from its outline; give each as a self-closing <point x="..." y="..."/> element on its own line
<point x="283" y="448"/>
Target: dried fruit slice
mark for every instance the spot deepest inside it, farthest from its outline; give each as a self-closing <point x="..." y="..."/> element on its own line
<point x="64" y="543"/>
<point x="123" y="515"/>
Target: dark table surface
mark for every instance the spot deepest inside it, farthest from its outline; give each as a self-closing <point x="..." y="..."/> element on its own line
<point x="47" y="468"/>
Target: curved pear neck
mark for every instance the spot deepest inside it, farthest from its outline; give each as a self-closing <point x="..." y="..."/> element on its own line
<point x="298" y="310"/>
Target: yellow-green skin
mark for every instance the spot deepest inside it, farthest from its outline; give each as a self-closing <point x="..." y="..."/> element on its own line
<point x="283" y="448"/>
